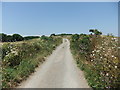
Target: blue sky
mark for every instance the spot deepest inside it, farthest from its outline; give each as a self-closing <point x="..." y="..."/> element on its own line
<point x="0" y="16"/>
<point x="38" y="18"/>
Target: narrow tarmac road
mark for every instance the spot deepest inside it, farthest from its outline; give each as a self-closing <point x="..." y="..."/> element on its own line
<point x="58" y="71"/>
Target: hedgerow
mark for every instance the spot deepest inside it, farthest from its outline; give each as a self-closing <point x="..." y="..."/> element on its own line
<point x="19" y="60"/>
<point x="97" y="56"/>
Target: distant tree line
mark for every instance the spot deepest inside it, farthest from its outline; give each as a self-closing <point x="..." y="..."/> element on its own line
<point x="63" y="34"/>
<point x="30" y="37"/>
<point x="18" y="37"/>
<point x="15" y="37"/>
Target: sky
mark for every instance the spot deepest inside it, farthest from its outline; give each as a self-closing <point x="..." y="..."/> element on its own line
<point x="0" y="16"/>
<point x="44" y="18"/>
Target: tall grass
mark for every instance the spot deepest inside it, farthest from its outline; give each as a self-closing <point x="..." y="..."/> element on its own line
<point x="19" y="60"/>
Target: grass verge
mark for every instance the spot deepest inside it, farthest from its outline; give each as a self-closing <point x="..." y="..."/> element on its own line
<point x="19" y="60"/>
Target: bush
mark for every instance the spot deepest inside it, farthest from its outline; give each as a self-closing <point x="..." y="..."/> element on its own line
<point x="98" y="57"/>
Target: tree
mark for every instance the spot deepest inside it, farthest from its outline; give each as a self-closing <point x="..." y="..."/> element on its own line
<point x="95" y="31"/>
<point x="17" y="37"/>
<point x="91" y="30"/>
<point x="9" y="38"/>
<point x="3" y="37"/>
<point x="52" y="35"/>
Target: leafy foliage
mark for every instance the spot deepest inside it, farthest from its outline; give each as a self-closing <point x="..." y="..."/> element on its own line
<point x="95" y="31"/>
<point x="17" y="37"/>
<point x="97" y="56"/>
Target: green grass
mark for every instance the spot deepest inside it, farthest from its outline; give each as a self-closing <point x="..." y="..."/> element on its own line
<point x="20" y="60"/>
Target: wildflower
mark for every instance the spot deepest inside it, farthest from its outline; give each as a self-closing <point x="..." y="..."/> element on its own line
<point x="105" y="43"/>
<point x="7" y="55"/>
<point x="102" y="80"/>
<point x="112" y="55"/>
<point x="105" y="54"/>
<point x="91" y="60"/>
<point x="113" y="47"/>
<point x="106" y="87"/>
<point x="107" y="74"/>
<point x="103" y="48"/>
<point x="15" y="52"/>
<point x="101" y="73"/>
<point x="98" y="51"/>
<point x="115" y="66"/>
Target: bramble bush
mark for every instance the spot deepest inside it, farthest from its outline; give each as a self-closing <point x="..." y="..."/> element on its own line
<point x="98" y="56"/>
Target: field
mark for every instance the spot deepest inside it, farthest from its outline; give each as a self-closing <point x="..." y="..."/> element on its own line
<point x="19" y="59"/>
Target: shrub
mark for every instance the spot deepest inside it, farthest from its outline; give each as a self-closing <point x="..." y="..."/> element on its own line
<point x="98" y="56"/>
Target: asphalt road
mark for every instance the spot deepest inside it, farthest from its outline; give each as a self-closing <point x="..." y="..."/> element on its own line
<point x="58" y="71"/>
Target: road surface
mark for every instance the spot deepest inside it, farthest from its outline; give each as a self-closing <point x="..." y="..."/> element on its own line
<point x="58" y="71"/>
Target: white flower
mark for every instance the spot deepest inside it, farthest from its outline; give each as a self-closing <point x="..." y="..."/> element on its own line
<point x="115" y="66"/>
<point x="113" y="47"/>
<point x="103" y="48"/>
<point x="15" y="52"/>
<point x="107" y="74"/>
<point x="112" y="55"/>
<point x="98" y="51"/>
<point x="91" y="60"/>
<point x="105" y="54"/>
